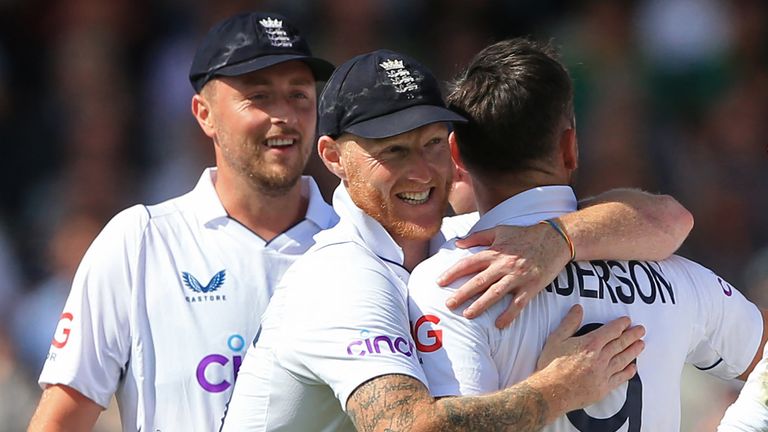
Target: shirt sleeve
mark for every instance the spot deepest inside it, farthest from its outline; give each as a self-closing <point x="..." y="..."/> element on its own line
<point x="729" y="326"/>
<point x="749" y="413"/>
<point x="355" y="326"/>
<point x="455" y="352"/>
<point x="91" y="344"/>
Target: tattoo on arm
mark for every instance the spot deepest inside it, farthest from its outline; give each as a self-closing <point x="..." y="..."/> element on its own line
<point x="387" y="403"/>
<point x="395" y="403"/>
<point x="519" y="408"/>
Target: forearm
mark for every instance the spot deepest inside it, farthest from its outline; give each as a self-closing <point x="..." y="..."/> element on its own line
<point x="628" y="224"/>
<point x="63" y="409"/>
<point x="401" y="403"/>
<point x="526" y="406"/>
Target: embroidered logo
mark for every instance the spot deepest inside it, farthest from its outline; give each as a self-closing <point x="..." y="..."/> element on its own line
<point x="276" y="33"/>
<point x="400" y="77"/>
<point x="214" y="284"/>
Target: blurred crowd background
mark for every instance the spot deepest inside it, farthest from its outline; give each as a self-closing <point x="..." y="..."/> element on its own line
<point x="671" y="97"/>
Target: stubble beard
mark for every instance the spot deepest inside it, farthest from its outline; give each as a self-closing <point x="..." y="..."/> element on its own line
<point x="270" y="179"/>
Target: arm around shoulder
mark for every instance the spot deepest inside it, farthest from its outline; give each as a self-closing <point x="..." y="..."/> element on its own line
<point x="62" y="409"/>
<point x="628" y="224"/>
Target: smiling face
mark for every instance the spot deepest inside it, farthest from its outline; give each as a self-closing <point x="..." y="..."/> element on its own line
<point x="262" y="124"/>
<point x="401" y="181"/>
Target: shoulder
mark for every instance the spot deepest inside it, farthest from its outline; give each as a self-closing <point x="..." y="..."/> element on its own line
<point x="425" y="274"/>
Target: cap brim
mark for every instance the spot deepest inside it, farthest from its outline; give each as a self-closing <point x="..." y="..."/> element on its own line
<point x="320" y="68"/>
<point x="403" y="121"/>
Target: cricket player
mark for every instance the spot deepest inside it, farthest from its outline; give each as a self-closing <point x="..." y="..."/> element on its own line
<point x="334" y="351"/>
<point x="519" y="147"/>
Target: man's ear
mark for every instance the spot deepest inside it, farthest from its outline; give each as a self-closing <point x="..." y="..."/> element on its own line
<point x="455" y="154"/>
<point x="202" y="111"/>
<point x="569" y="148"/>
<point x="330" y="153"/>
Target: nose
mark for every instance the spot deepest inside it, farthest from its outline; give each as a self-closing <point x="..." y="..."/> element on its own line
<point x="281" y="112"/>
<point x="420" y="168"/>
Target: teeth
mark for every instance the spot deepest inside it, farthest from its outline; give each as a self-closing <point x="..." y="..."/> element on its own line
<point x="415" y="197"/>
<point x="279" y="142"/>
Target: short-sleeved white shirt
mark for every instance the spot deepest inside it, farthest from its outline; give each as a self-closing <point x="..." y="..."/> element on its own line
<point x="338" y="318"/>
<point x="164" y="304"/>
<point x="750" y="411"/>
<point x="690" y="315"/>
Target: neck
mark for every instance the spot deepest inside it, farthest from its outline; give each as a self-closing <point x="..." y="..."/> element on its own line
<point x="414" y="252"/>
<point x="266" y="215"/>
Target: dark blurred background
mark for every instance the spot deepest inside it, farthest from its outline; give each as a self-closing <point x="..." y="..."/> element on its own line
<point x="671" y="95"/>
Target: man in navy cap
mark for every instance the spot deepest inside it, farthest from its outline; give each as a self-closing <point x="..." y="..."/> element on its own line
<point x="335" y="351"/>
<point x="169" y="296"/>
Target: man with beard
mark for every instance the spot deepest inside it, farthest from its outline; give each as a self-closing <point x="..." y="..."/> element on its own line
<point x="168" y="296"/>
<point x="335" y="339"/>
<point x="520" y="149"/>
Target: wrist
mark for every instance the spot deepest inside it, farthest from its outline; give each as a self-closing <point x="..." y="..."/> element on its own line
<point x="557" y="229"/>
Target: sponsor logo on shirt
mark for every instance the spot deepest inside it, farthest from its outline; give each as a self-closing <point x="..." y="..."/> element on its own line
<point x="379" y="345"/>
<point x="727" y="288"/>
<point x="61" y="337"/>
<point x="426" y="334"/>
<point x="212" y="371"/>
<point x="204" y="292"/>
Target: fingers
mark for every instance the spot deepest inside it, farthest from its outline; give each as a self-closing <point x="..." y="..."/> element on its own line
<point x="514" y="309"/>
<point x="608" y="332"/>
<point x="480" y="238"/>
<point x="466" y="266"/>
<point x="569" y="325"/>
<point x="627" y="338"/>
<point x="620" y="361"/>
<point x="491" y="295"/>
<point x="622" y="376"/>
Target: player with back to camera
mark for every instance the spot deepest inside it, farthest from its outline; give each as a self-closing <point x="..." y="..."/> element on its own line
<point x="520" y="149"/>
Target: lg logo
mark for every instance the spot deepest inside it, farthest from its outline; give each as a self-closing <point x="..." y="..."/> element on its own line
<point x="427" y="339"/>
<point x="211" y="370"/>
<point x="61" y="337"/>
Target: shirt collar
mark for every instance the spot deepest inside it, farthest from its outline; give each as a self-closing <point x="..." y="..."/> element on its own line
<point x="318" y="211"/>
<point x="370" y="231"/>
<point x="208" y="205"/>
<point x="205" y="200"/>
<point x="530" y="207"/>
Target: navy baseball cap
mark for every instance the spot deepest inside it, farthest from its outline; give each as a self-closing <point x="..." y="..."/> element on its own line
<point x="381" y="94"/>
<point x="248" y="42"/>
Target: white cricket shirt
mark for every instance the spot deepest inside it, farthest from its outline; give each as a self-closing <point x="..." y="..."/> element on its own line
<point x="750" y="411"/>
<point x="690" y="315"/>
<point x="165" y="303"/>
<point x="338" y="318"/>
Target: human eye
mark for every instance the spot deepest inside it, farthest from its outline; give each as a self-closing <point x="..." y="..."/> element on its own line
<point x="394" y="150"/>
<point x="258" y="96"/>
<point x="301" y="95"/>
<point x="435" y="141"/>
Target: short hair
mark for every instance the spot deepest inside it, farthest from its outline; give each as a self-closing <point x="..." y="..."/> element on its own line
<point x="515" y="94"/>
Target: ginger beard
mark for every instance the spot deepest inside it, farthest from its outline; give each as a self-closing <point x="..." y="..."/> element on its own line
<point x="393" y="216"/>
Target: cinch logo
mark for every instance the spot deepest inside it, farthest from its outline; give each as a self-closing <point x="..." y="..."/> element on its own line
<point x="374" y="345"/>
<point x="727" y="288"/>
<point x="205" y="291"/>
<point x="57" y="341"/>
<point x="211" y="370"/>
<point x="431" y="340"/>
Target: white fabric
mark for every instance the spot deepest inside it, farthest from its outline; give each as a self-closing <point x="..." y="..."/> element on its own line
<point x="750" y="411"/>
<point x="135" y="326"/>
<point x="338" y="319"/>
<point x="690" y="315"/>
